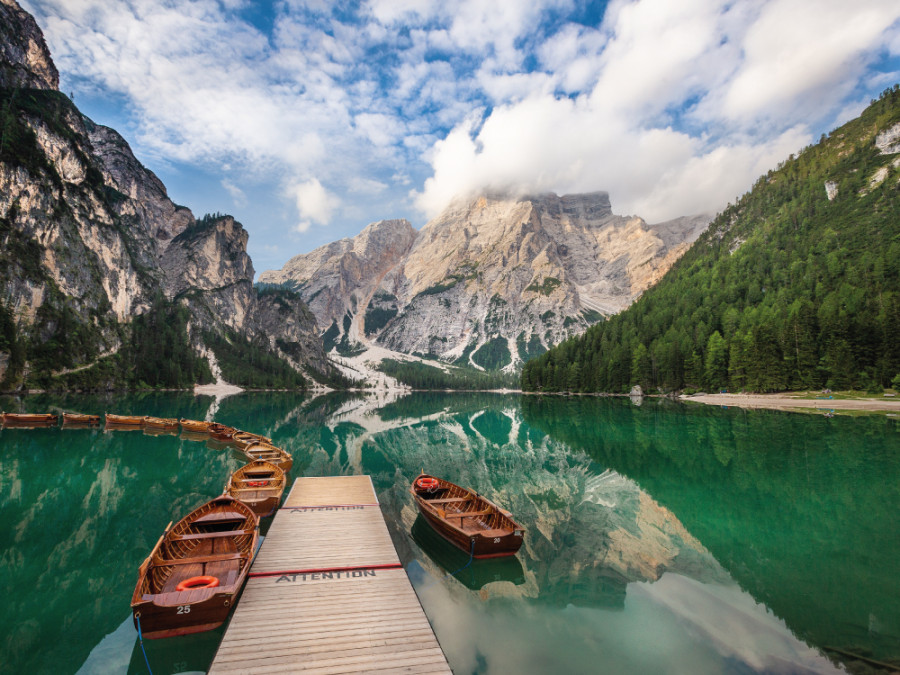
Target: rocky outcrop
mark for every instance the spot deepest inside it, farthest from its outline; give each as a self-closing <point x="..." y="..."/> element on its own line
<point x="343" y="276"/>
<point x="89" y="237"/>
<point x="24" y="58"/>
<point x="490" y="282"/>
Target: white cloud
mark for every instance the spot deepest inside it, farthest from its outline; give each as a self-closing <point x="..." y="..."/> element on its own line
<point x="314" y="203"/>
<point x="677" y="107"/>
<point x="672" y="107"/>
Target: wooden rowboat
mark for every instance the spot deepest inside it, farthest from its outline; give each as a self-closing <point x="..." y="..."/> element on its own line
<point x="269" y="453"/>
<point x="167" y="423"/>
<point x="245" y="438"/>
<point x="195" y="426"/>
<point x="132" y="421"/>
<point x="189" y="582"/>
<point x="75" y="419"/>
<point x="29" y="419"/>
<point x="259" y="485"/>
<point x="466" y="519"/>
<point x="221" y="432"/>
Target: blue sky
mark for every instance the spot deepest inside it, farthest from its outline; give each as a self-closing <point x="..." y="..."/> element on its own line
<point x="309" y="119"/>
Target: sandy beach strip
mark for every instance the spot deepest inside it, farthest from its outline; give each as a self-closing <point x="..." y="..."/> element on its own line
<point x="788" y="402"/>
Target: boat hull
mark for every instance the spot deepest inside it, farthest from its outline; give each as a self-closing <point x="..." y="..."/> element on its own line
<point x="29" y="420"/>
<point x="467" y="520"/>
<point x="124" y="421"/>
<point x="195" y="426"/>
<point x="161" y="619"/>
<point x="478" y="545"/>
<point x="76" y="419"/>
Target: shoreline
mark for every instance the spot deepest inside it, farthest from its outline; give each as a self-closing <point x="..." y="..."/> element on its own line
<point x="787" y="401"/>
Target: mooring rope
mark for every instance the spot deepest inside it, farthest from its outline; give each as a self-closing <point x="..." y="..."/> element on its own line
<point x="141" y="639"/>
<point x="429" y="582"/>
<point x="471" y="558"/>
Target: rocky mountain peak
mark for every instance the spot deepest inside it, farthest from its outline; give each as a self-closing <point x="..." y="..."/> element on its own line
<point x="89" y="240"/>
<point x="24" y="58"/>
<point x="492" y="280"/>
<point x="345" y="274"/>
<point x="208" y="255"/>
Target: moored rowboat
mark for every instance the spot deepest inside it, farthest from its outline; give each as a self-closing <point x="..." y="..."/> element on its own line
<point x="124" y="420"/>
<point x="221" y="432"/>
<point x="189" y="582"/>
<point x="259" y="485"/>
<point x="269" y="453"/>
<point x="245" y="438"/>
<point x="466" y="519"/>
<point x="70" y="419"/>
<point x="195" y="426"/>
<point x="166" y="423"/>
<point x="29" y="419"/>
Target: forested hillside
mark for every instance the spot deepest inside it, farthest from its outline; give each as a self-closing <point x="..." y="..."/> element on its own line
<point x="795" y="286"/>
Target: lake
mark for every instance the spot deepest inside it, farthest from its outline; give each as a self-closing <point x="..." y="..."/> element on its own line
<point x="660" y="538"/>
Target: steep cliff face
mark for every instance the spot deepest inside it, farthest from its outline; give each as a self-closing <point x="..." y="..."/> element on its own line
<point x="24" y="58"/>
<point x="489" y="282"/>
<point x="89" y="237"/>
<point x="340" y="279"/>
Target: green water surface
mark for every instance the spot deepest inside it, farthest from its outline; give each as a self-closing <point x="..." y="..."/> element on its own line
<point x="660" y="538"/>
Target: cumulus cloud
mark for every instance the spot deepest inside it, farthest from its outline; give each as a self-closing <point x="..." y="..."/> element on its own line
<point x="673" y="107"/>
<point x="314" y="203"/>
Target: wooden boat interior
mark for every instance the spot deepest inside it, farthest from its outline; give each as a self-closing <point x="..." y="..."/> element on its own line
<point x="465" y="510"/>
<point x="218" y="543"/>
<point x="256" y="481"/>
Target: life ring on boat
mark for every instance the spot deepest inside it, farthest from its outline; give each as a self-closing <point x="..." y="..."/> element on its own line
<point x="257" y="483"/>
<point x="194" y="583"/>
<point x="427" y="483"/>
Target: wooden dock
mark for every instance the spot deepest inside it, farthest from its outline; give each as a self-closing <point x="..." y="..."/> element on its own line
<point x="327" y="592"/>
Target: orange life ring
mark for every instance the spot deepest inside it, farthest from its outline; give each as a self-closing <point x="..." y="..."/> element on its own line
<point x="257" y="483"/>
<point x="194" y="583"/>
<point x="427" y="483"/>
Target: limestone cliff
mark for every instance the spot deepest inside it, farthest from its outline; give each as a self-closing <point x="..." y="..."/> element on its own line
<point x="24" y="58"/>
<point x="340" y="279"/>
<point x="490" y="282"/>
<point x="89" y="237"/>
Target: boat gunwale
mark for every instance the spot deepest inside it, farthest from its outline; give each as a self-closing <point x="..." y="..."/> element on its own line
<point x="502" y="519"/>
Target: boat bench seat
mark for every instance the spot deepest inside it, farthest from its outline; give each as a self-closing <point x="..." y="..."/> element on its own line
<point x="201" y="559"/>
<point x="448" y="500"/>
<point x="471" y="514"/>
<point x="209" y="535"/>
<point x="219" y="516"/>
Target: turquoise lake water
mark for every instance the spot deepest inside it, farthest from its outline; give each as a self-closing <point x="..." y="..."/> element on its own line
<point x="661" y="538"/>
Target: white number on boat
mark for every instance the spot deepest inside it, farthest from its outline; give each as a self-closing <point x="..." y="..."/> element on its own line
<point x="496" y="540"/>
<point x="184" y="609"/>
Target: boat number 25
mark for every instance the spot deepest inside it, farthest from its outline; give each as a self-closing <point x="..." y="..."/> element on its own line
<point x="496" y="540"/>
<point x="184" y="609"/>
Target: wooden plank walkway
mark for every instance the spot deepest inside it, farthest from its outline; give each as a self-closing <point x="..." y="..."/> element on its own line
<point x="327" y="593"/>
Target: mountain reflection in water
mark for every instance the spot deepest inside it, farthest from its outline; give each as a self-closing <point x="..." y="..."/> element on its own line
<point x="659" y="538"/>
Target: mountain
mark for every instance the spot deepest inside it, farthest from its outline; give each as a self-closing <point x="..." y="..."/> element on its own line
<point x="104" y="281"/>
<point x="489" y="282"/>
<point x="796" y="286"/>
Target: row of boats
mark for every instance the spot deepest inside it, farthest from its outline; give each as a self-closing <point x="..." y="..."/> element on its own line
<point x="191" y="579"/>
